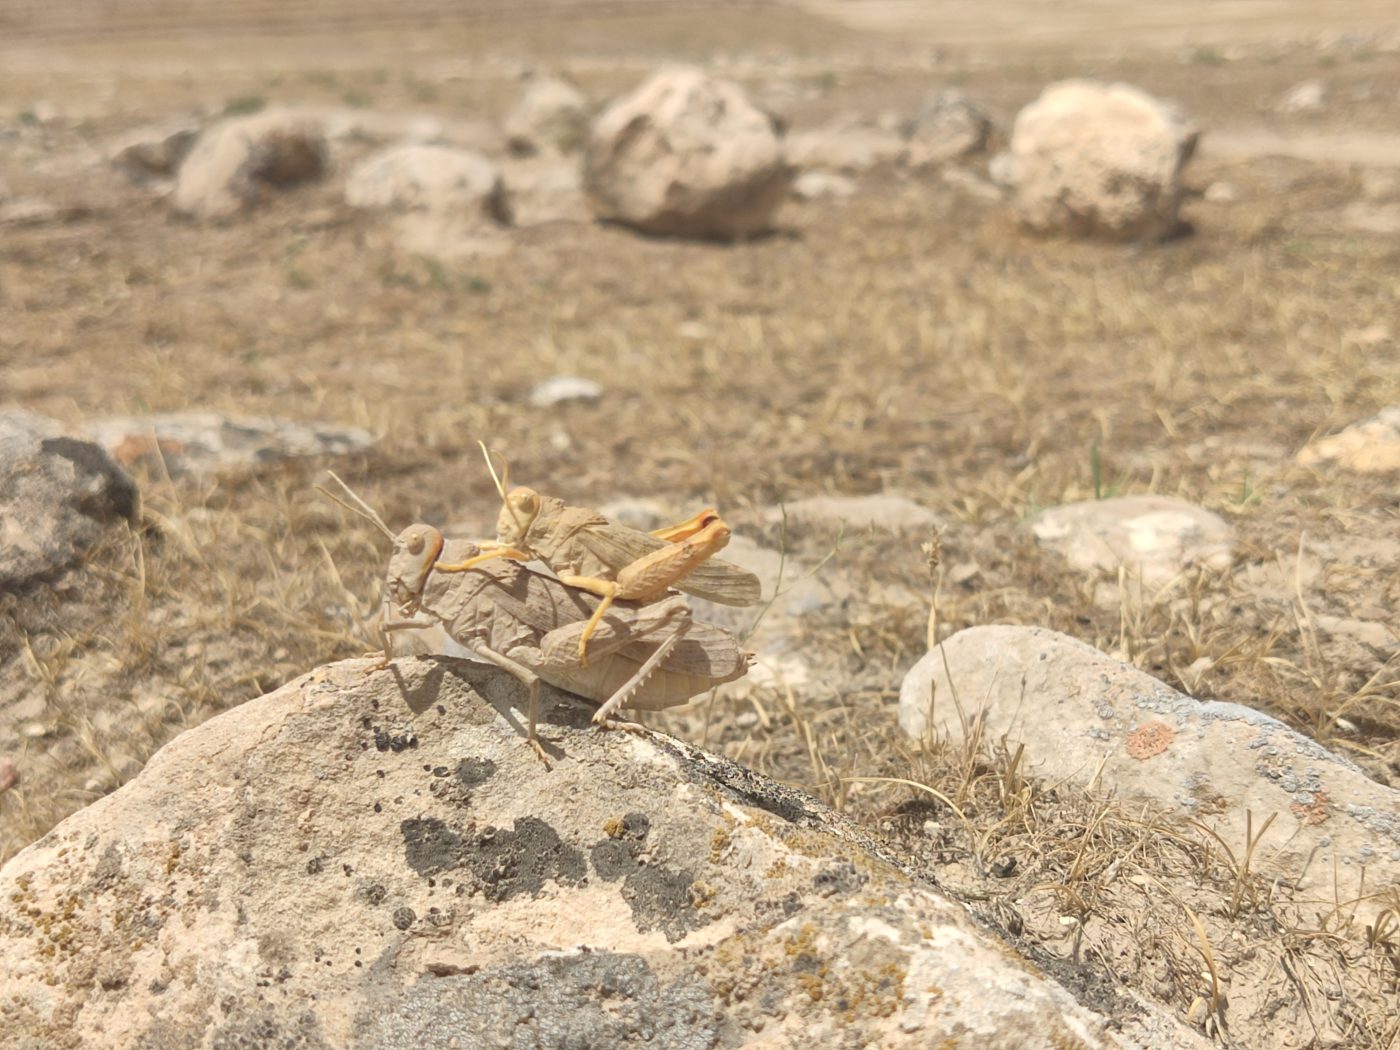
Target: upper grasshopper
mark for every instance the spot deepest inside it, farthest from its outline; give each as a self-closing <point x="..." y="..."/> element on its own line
<point x="646" y="656"/>
<point x="615" y="561"/>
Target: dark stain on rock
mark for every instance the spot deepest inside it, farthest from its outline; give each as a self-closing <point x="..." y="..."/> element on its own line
<point x="384" y="741"/>
<point x="616" y="855"/>
<point x="594" y="999"/>
<point x="256" y="1027"/>
<point x="473" y="772"/>
<point x="660" y="899"/>
<point x="504" y="862"/>
<point x="430" y="845"/>
<point x="839" y="878"/>
<point x="509" y="863"/>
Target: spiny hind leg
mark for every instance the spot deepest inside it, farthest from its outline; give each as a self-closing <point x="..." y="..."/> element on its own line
<point x="603" y="716"/>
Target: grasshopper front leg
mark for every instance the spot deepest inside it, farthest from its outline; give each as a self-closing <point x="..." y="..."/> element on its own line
<point x="651" y="576"/>
<point x="525" y="677"/>
<point x="490" y="549"/>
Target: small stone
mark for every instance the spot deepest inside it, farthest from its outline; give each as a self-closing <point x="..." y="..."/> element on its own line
<point x="1221" y="193"/>
<point x="1308" y="97"/>
<point x="818" y="185"/>
<point x="9" y="775"/>
<point x="693" y="331"/>
<point x="58" y="496"/>
<point x="637" y="513"/>
<point x="1155" y="537"/>
<point x="202" y="443"/>
<point x="558" y="390"/>
<point x="1369" y="447"/>
<point x="948" y="127"/>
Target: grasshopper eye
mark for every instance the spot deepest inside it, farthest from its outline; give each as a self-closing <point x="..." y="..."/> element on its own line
<point x="415" y="543"/>
<point x="527" y="500"/>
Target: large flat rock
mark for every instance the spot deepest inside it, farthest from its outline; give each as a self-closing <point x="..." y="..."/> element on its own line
<point x="378" y="860"/>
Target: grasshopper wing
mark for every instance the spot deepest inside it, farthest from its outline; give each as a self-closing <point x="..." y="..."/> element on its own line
<point x="715" y="580"/>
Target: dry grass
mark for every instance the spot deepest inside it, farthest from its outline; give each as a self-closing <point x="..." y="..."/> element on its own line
<point x="910" y="341"/>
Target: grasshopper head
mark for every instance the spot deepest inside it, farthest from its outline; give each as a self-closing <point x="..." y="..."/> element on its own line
<point x="415" y="551"/>
<point x="518" y="512"/>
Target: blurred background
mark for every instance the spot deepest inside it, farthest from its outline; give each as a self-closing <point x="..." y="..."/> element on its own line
<point x="863" y="248"/>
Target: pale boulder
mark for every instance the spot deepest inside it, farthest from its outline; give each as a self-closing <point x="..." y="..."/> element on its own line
<point x="1100" y="160"/>
<point x="849" y="148"/>
<point x="379" y="861"/>
<point x="421" y="177"/>
<point x="1369" y="447"/>
<point x="239" y="163"/>
<point x="686" y="155"/>
<point x="1087" y="718"/>
<point x="947" y="127"/>
<point x="552" y="115"/>
<point x="1154" y="538"/>
<point x="209" y="444"/>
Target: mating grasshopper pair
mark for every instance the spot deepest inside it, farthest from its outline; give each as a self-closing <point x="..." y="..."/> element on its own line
<point x="612" y="561"/>
<point x="648" y="655"/>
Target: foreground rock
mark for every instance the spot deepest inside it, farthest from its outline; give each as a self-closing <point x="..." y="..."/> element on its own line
<point x="1369" y="447"/>
<point x="237" y="164"/>
<point x="686" y="155"/>
<point x="201" y="443"/>
<point x="1085" y="717"/>
<point x="58" y="496"/>
<point x="1100" y="160"/>
<point x="380" y="861"/>
<point x="431" y="178"/>
<point x="948" y="127"/>
<point x="1155" y="538"/>
<point x="552" y="115"/>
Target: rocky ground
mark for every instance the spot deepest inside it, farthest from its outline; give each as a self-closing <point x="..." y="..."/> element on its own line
<point x="1181" y="453"/>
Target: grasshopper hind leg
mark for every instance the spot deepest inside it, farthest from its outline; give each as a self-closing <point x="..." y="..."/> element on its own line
<point x="604" y="715"/>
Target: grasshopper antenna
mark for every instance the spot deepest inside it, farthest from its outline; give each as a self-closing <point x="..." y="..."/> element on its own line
<point x="502" y="483"/>
<point x="359" y="506"/>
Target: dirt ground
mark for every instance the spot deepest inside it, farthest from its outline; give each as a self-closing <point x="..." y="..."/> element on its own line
<point x="910" y="340"/>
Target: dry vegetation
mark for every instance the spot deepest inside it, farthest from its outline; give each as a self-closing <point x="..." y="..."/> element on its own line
<point x="911" y="340"/>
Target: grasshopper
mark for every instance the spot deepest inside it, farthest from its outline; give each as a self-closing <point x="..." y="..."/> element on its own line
<point x="649" y="656"/>
<point x="613" y="561"/>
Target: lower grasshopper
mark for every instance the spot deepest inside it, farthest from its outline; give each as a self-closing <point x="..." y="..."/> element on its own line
<point x="647" y="656"/>
<point x="613" y="561"/>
